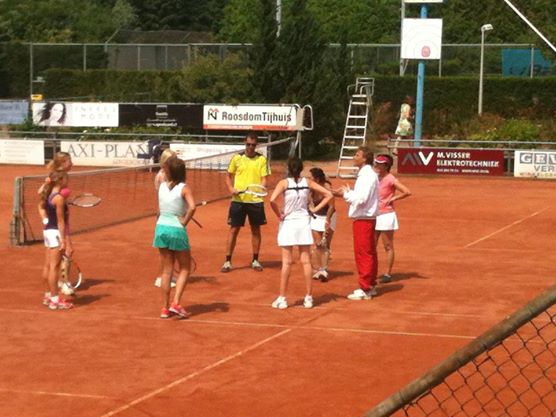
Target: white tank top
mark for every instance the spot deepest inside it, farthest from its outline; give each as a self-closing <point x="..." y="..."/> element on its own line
<point x="296" y="199"/>
<point x="171" y="204"/>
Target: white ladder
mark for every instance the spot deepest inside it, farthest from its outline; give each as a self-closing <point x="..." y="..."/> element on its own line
<point x="357" y="120"/>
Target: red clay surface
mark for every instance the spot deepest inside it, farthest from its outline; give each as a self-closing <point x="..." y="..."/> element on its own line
<point x="470" y="251"/>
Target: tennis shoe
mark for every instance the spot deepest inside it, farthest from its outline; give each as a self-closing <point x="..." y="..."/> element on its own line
<point x="256" y="265"/>
<point x="158" y="282"/>
<point x="179" y="310"/>
<point x="227" y="267"/>
<point x="360" y="294"/>
<point x="65" y="288"/>
<point x="46" y="299"/>
<point x="308" y="301"/>
<point x="59" y="304"/>
<point x="280" y="303"/>
<point x="164" y="313"/>
<point x="323" y="275"/>
<point x="385" y="279"/>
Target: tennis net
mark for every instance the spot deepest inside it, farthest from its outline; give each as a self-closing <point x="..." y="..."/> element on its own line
<point x="128" y="193"/>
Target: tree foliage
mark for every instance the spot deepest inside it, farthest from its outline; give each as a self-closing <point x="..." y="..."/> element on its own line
<point x="62" y="20"/>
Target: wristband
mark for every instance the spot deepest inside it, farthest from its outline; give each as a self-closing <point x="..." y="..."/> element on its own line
<point x="45" y="221"/>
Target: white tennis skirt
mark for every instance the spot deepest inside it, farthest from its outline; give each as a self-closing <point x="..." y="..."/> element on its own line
<point x="318" y="223"/>
<point x="387" y="221"/>
<point x="51" y="238"/>
<point x="292" y="232"/>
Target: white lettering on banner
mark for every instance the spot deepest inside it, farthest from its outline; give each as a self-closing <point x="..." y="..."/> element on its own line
<point x="105" y="153"/>
<point x="426" y="159"/>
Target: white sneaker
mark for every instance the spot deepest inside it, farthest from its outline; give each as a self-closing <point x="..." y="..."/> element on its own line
<point x="308" y="301"/>
<point x="227" y="267"/>
<point x="359" y="294"/>
<point x="158" y="282"/>
<point x="280" y="303"/>
<point x="256" y="265"/>
<point x="65" y="288"/>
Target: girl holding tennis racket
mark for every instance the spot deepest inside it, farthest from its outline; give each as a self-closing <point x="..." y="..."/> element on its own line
<point x="295" y="226"/>
<point x="56" y="237"/>
<point x="176" y="207"/>
<point x="323" y="226"/>
<point x="60" y="163"/>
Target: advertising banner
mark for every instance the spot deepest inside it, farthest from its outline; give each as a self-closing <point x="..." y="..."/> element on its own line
<point x="13" y="112"/>
<point x="188" y="151"/>
<point x="105" y="153"/>
<point x="19" y="151"/>
<point x="189" y="116"/>
<point x="450" y="161"/>
<point x="250" y="117"/>
<point x="60" y="113"/>
<point x="535" y="164"/>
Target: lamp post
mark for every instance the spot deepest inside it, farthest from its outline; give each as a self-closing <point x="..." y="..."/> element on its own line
<point x="484" y="29"/>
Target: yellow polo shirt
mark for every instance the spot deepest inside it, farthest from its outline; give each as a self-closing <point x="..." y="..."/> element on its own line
<point x="248" y="171"/>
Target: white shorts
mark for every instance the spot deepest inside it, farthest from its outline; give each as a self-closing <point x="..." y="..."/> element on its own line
<point x="318" y="222"/>
<point x="387" y="221"/>
<point x="51" y="238"/>
<point x="293" y="232"/>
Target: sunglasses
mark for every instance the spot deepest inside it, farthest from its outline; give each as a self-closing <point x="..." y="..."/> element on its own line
<point x="251" y="145"/>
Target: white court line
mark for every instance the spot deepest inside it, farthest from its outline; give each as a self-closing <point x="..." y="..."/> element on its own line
<point x="192" y="375"/>
<point x="56" y="394"/>
<point x="505" y="227"/>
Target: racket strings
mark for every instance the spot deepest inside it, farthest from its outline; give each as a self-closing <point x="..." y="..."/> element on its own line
<point x="86" y="200"/>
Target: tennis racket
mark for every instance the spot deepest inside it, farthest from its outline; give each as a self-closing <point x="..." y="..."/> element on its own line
<point x="85" y="200"/>
<point x="322" y="243"/>
<point x="257" y="190"/>
<point x="70" y="275"/>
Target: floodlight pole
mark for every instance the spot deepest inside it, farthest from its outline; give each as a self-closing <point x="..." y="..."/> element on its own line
<point x="402" y="66"/>
<point x="278" y="17"/>
<point x="484" y="29"/>
<point x="420" y="90"/>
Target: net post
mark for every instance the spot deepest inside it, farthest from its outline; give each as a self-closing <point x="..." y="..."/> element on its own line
<point x="15" y="224"/>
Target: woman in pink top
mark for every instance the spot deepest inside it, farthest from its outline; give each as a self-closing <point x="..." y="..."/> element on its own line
<point x="390" y="190"/>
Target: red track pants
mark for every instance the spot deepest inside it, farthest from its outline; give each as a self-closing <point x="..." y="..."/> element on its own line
<point x="365" y="252"/>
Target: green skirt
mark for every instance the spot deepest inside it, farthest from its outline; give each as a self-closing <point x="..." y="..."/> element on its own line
<point x="170" y="237"/>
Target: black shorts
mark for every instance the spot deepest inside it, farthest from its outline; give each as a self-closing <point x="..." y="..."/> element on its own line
<point x="238" y="211"/>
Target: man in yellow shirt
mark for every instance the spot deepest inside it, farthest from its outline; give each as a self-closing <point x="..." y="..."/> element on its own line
<point x="248" y="167"/>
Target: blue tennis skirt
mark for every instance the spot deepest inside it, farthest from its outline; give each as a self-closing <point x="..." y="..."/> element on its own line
<point x="170" y="237"/>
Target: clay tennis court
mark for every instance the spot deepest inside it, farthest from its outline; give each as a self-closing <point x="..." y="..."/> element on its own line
<point x="470" y="251"/>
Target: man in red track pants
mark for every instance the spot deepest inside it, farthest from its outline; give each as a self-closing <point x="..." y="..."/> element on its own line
<point x="363" y="209"/>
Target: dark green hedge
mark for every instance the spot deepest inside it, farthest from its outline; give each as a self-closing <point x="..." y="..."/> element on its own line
<point x="450" y="103"/>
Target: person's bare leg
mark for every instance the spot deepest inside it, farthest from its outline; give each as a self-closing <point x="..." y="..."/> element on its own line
<point x="388" y="243"/>
<point x="286" y="268"/>
<point x="232" y="239"/>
